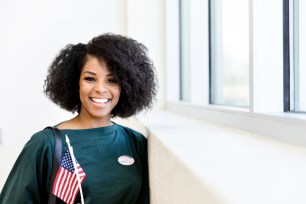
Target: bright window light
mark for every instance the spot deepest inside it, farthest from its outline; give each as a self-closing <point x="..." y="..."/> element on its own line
<point x="298" y="53"/>
<point x="229" y="52"/>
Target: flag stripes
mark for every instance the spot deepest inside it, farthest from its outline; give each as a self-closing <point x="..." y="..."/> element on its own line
<point x="66" y="184"/>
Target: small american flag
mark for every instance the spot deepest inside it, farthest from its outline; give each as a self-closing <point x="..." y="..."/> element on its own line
<point x="66" y="183"/>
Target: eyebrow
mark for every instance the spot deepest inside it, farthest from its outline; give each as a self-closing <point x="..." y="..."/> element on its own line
<point x="92" y="73"/>
<point x="88" y="72"/>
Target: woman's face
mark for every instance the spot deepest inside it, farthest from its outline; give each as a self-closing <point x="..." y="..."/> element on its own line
<point x="99" y="90"/>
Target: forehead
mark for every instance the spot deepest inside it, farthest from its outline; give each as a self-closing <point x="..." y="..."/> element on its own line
<point x="93" y="63"/>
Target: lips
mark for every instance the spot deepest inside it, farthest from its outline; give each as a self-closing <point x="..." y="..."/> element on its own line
<point x="100" y="100"/>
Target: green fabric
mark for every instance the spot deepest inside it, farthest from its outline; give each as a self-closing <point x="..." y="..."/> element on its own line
<point x="97" y="151"/>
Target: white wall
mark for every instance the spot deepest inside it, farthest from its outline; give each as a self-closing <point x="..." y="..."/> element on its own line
<point x="145" y="22"/>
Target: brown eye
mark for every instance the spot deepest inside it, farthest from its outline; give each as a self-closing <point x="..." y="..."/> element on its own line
<point x="89" y="79"/>
<point x="112" y="81"/>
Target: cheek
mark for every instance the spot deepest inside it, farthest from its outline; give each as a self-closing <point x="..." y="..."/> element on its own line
<point x="83" y="90"/>
<point x="118" y="92"/>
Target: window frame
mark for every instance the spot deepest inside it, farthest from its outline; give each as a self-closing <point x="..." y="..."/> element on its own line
<point x="286" y="58"/>
<point x="292" y="66"/>
<point x="184" y="80"/>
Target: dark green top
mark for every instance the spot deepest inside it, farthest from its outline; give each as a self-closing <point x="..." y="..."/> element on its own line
<point x="97" y="151"/>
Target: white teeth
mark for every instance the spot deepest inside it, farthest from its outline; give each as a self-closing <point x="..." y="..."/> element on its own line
<point x="100" y="100"/>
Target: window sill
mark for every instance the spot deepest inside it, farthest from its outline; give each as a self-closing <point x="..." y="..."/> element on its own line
<point x="285" y="127"/>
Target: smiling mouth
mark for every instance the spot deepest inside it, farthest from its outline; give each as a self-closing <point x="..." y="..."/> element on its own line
<point x="100" y="100"/>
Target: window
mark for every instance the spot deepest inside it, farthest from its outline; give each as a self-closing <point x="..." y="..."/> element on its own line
<point x="297" y="46"/>
<point x="239" y="65"/>
<point x="184" y="50"/>
<point x="229" y="52"/>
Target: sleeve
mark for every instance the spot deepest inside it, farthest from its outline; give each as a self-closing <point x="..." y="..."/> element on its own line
<point x="144" y="197"/>
<point x="29" y="179"/>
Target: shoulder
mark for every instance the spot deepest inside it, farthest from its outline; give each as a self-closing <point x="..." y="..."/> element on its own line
<point x="30" y="174"/>
<point x="40" y="145"/>
<point x="136" y="140"/>
<point x="132" y="133"/>
<point x="42" y="138"/>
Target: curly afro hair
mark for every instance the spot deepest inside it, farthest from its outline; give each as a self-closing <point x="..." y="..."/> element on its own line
<point x="127" y="60"/>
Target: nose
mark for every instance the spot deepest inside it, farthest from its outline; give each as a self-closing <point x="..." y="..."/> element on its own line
<point x="101" y="87"/>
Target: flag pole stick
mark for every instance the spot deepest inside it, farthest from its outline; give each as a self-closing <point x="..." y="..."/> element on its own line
<point x="75" y="168"/>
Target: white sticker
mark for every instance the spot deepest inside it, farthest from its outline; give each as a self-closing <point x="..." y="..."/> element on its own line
<point x="126" y="160"/>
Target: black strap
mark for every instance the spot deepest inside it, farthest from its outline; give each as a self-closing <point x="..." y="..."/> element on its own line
<point x="56" y="162"/>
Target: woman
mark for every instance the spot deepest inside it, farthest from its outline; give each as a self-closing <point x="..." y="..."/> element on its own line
<point x="110" y="76"/>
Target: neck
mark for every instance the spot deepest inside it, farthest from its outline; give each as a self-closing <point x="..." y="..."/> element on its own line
<point x="85" y="123"/>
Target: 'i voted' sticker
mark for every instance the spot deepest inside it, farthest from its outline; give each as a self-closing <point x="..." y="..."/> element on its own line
<point x="126" y="160"/>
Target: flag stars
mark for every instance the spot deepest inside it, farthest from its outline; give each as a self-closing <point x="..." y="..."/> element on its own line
<point x="67" y="162"/>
